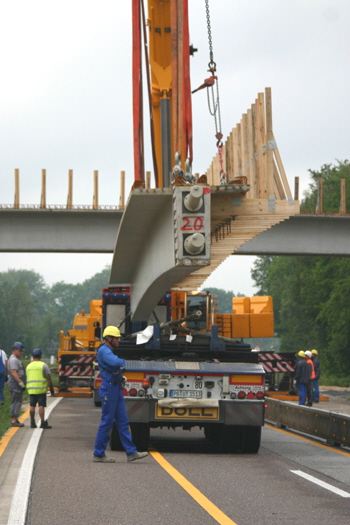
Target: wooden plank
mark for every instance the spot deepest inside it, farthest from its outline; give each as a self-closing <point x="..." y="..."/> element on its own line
<point x="281" y="170"/>
<point x="122" y="191"/>
<point x="239" y="151"/>
<point x="70" y="190"/>
<point x="235" y="152"/>
<point x="252" y="163"/>
<point x="319" y="206"/>
<point x="296" y="188"/>
<point x="261" y="146"/>
<point x="279" y="191"/>
<point x="228" y="168"/>
<point x="16" y="200"/>
<point x="244" y="147"/>
<point x="342" y="209"/>
<point x="43" y="189"/>
<point x="269" y="137"/>
<point x="95" y="195"/>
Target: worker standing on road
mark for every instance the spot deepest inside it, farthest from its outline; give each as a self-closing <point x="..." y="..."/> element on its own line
<point x="113" y="404"/>
<point x="312" y="377"/>
<point x="16" y="382"/>
<point x="38" y="380"/>
<point x="317" y="367"/>
<point x="302" y="377"/>
<point x="3" y="375"/>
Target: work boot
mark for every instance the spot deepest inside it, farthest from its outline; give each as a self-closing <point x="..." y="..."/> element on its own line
<point x="33" y="424"/>
<point x="45" y="424"/>
<point x="17" y="424"/>
<point x="103" y="459"/>
<point x="137" y="455"/>
<point x="32" y="420"/>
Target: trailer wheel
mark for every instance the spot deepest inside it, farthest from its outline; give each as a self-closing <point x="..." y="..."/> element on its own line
<point x="97" y="399"/>
<point x="114" y="439"/>
<point x="140" y="435"/>
<point x="252" y="438"/>
<point x="223" y="438"/>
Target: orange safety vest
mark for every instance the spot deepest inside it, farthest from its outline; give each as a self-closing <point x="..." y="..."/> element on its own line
<point x="313" y="373"/>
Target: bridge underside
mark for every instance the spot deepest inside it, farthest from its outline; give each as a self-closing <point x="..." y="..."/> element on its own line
<point x="27" y="231"/>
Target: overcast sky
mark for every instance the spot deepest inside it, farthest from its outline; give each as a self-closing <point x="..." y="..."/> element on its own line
<point x="66" y="101"/>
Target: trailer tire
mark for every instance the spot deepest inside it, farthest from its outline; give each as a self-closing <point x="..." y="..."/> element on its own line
<point x="114" y="439"/>
<point x="252" y="438"/>
<point x="97" y="400"/>
<point x="140" y="435"/>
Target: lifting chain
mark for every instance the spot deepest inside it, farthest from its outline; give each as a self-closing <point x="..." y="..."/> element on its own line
<point x="214" y="98"/>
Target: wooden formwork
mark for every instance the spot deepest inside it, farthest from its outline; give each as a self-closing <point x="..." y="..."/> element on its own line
<point x="251" y="151"/>
<point x="252" y="161"/>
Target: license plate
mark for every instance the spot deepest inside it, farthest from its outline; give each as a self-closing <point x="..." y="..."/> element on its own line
<point x="207" y="413"/>
<point x="197" y="394"/>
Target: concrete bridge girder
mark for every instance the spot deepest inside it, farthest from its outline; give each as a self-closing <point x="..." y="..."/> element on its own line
<point x="314" y="235"/>
<point x="58" y="231"/>
<point x="146" y="254"/>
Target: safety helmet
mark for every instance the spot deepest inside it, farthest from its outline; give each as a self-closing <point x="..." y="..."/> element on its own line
<point x="314" y="352"/>
<point x="301" y="353"/>
<point x="113" y="331"/>
<point x="308" y="353"/>
<point x="36" y="352"/>
<point x="18" y="345"/>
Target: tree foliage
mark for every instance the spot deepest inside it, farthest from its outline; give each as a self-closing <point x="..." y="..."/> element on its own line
<point x="331" y="176"/>
<point x="224" y="299"/>
<point x="34" y="313"/>
<point x="311" y="294"/>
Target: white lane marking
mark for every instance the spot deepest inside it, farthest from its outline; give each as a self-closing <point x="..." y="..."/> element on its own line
<point x="18" y="510"/>
<point x="321" y="483"/>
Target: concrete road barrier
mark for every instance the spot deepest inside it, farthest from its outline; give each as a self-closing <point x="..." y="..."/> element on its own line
<point x="331" y="426"/>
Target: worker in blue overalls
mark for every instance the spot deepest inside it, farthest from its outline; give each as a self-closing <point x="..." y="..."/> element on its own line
<point x="113" y="404"/>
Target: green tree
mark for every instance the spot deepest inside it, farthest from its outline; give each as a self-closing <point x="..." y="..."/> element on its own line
<point x="224" y="299"/>
<point x="330" y="175"/>
<point x="18" y="315"/>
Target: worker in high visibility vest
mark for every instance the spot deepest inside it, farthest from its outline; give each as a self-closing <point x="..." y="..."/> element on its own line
<point x="38" y="381"/>
<point x="309" y="361"/>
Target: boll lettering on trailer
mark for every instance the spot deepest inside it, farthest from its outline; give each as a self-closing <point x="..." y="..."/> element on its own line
<point x="206" y="380"/>
<point x="225" y="399"/>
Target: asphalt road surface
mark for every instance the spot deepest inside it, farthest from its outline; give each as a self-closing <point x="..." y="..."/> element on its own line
<point x="292" y="480"/>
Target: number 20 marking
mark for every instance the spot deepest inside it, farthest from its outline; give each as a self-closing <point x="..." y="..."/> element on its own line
<point x="197" y="225"/>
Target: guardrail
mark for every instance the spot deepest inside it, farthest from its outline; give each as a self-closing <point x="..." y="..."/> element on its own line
<point x="331" y="426"/>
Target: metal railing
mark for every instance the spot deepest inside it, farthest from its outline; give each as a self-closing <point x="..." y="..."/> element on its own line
<point x="59" y="207"/>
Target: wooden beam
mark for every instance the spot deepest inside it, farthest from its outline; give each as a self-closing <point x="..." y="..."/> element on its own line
<point x="43" y="190"/>
<point x="16" y="199"/>
<point x="95" y="195"/>
<point x="342" y="209"/>
<point x="122" y="191"/>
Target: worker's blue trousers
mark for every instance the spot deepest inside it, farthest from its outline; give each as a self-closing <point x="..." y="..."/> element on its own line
<point x="316" y="390"/>
<point x="113" y="409"/>
<point x="302" y="389"/>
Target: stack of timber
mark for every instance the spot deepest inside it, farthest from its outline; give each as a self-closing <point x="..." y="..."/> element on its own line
<point x="251" y="160"/>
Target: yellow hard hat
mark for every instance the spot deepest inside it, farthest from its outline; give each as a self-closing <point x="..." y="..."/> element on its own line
<point x="301" y="353"/>
<point x="113" y="331"/>
<point x="314" y="352"/>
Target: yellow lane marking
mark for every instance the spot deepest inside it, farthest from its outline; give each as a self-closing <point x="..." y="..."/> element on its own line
<point x="327" y="447"/>
<point x="204" y="502"/>
<point x="6" y="438"/>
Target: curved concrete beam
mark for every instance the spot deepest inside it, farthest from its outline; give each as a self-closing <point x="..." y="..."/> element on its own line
<point x="147" y="253"/>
